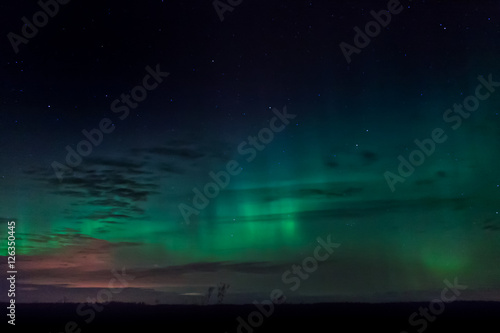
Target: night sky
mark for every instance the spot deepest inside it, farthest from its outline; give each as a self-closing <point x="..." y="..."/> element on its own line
<point x="313" y="137"/>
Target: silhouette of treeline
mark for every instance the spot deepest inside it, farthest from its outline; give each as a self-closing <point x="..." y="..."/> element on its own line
<point x="328" y="317"/>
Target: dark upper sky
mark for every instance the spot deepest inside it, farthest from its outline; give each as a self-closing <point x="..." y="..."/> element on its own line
<point x="331" y="170"/>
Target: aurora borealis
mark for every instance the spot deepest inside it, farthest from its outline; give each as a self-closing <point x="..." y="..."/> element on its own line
<point x="321" y="174"/>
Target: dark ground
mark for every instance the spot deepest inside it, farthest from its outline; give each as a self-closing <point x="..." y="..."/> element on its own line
<point x="337" y="317"/>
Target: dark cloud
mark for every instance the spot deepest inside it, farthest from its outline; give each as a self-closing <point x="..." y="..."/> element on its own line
<point x="332" y="164"/>
<point x="491" y="224"/>
<point x="170" y="168"/>
<point x="186" y="152"/>
<point x="179" y="152"/>
<point x="116" y="192"/>
<point x="335" y="191"/>
<point x="441" y="174"/>
<point x="246" y="267"/>
<point x="373" y="208"/>
<point x="38" y="238"/>
<point x="369" y="157"/>
<point x="111" y="222"/>
<point x="8" y="219"/>
<point x="71" y="193"/>
<point x="331" y="193"/>
<point x="183" y="150"/>
<point x="102" y="230"/>
<point x="109" y="203"/>
<point x="124" y="244"/>
<point x="103" y="215"/>
<point x="64" y="237"/>
<point x="72" y="237"/>
<point x="118" y="163"/>
<point x="438" y="175"/>
<point x="38" y="171"/>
